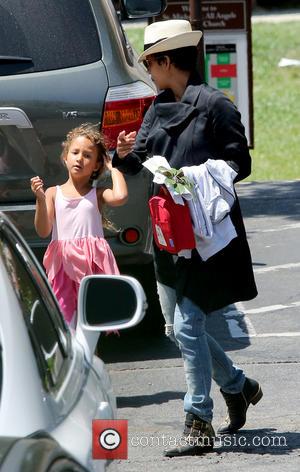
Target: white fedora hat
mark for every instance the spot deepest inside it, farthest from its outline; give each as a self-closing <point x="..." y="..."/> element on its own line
<point x="170" y="34"/>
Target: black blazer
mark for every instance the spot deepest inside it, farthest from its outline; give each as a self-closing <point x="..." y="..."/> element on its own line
<point x="204" y="124"/>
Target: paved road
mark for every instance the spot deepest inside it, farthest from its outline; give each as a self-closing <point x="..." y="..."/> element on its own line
<point x="262" y="16"/>
<point x="261" y="335"/>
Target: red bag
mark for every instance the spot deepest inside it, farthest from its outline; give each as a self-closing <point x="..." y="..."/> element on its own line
<point x="171" y="223"/>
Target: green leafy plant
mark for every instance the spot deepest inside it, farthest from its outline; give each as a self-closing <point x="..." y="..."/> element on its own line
<point x="176" y="179"/>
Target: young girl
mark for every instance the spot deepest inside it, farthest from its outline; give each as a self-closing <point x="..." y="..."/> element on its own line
<point x="72" y="212"/>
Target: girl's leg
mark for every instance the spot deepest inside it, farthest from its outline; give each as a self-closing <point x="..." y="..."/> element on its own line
<point x="66" y="291"/>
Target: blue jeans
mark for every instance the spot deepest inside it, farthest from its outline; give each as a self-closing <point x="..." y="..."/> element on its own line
<point x="167" y="300"/>
<point x="204" y="360"/>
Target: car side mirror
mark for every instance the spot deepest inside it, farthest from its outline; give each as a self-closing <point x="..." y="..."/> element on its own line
<point x="107" y="303"/>
<point x="132" y="9"/>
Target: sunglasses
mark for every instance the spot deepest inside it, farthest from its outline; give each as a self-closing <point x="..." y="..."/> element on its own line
<point x="147" y="62"/>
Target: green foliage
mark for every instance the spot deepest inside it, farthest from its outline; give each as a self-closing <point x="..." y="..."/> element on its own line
<point x="176" y="179"/>
<point x="276" y="155"/>
<point x="276" y="93"/>
<point x="136" y="36"/>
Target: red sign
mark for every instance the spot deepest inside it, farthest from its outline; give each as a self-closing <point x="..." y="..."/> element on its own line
<point x="110" y="439"/>
<point x="224" y="70"/>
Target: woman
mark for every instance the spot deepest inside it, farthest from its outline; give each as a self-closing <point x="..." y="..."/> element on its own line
<point x="189" y="123"/>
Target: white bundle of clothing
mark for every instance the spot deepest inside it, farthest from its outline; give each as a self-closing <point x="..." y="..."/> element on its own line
<point x="213" y="197"/>
<point x="209" y="203"/>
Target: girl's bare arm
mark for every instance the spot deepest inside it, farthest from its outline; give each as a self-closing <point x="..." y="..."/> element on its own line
<point x="44" y="212"/>
<point x="118" y="194"/>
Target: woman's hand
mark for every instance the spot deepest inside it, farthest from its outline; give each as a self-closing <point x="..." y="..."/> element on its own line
<point x="125" y="143"/>
<point x="37" y="186"/>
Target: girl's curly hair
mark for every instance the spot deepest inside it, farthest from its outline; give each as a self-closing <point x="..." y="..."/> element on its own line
<point x="91" y="132"/>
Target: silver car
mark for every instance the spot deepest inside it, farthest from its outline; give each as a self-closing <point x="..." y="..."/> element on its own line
<point x="51" y="383"/>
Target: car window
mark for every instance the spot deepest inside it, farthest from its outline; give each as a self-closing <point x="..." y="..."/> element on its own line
<point x="127" y="49"/>
<point x="40" y="35"/>
<point x="46" y="331"/>
<point x="18" y="145"/>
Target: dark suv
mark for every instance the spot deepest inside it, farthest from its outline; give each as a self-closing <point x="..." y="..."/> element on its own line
<point x="63" y="63"/>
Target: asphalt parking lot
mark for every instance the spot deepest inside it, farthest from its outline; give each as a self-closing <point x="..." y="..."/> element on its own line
<point x="262" y="336"/>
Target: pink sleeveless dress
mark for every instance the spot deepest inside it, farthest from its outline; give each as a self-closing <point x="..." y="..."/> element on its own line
<point x="77" y="248"/>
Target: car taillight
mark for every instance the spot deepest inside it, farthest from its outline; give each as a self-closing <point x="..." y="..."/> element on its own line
<point x="130" y="235"/>
<point x="124" y="109"/>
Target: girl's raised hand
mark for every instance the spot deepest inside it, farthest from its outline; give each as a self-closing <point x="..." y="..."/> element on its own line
<point x="37" y="185"/>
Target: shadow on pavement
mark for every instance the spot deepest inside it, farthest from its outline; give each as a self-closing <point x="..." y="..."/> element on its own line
<point x="153" y="399"/>
<point x="259" y="199"/>
<point x="259" y="441"/>
<point x="135" y="346"/>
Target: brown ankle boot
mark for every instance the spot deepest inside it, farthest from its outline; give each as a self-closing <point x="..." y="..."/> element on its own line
<point x="238" y="404"/>
<point x="197" y="439"/>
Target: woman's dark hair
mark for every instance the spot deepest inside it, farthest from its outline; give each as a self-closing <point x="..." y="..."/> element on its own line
<point x="182" y="58"/>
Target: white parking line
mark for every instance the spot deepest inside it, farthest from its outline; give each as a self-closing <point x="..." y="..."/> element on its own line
<point x="265" y="309"/>
<point x="279" y="335"/>
<point x="291" y="265"/>
<point x="275" y="230"/>
<point x="240" y="326"/>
